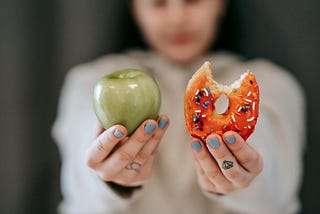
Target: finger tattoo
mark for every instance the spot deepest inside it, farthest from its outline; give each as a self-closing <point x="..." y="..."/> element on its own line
<point x="134" y="166"/>
<point x="227" y="164"/>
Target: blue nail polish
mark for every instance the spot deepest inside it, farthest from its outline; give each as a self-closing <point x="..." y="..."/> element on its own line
<point x="149" y="128"/>
<point x="196" y="146"/>
<point x="230" y="139"/>
<point x="214" y="142"/>
<point x="117" y="133"/>
<point x="162" y="123"/>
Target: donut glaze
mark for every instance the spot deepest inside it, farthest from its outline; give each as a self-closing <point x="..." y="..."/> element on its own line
<point x="200" y="112"/>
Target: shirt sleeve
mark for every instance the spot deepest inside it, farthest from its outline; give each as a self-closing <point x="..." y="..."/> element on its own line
<point x="279" y="138"/>
<point x="83" y="191"/>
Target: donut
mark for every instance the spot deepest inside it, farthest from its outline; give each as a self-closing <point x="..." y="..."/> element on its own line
<point x="203" y="91"/>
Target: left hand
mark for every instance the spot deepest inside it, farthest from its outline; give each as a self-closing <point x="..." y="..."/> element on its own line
<point x="224" y="165"/>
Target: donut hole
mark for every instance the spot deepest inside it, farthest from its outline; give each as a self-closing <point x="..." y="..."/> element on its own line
<point x="222" y="104"/>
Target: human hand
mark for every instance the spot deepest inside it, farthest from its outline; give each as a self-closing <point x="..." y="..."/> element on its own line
<point x="126" y="161"/>
<point x="225" y="165"/>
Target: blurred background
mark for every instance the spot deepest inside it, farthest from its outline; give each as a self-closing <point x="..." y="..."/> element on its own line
<point x="40" y="40"/>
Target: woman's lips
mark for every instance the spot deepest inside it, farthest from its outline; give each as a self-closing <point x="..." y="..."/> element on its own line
<point x="180" y="39"/>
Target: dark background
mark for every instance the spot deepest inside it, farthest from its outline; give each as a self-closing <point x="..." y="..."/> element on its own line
<point x="40" y="40"/>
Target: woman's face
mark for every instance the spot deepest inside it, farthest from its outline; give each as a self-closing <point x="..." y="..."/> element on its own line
<point x="180" y="30"/>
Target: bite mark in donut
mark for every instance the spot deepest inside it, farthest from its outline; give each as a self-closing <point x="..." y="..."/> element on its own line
<point x="200" y="112"/>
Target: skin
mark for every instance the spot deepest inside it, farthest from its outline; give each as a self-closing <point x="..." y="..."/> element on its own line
<point x="171" y="28"/>
<point x="109" y="155"/>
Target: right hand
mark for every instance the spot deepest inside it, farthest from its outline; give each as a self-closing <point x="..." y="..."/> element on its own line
<point x="126" y="161"/>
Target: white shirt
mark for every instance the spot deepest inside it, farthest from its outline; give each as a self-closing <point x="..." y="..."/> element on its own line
<point x="279" y="137"/>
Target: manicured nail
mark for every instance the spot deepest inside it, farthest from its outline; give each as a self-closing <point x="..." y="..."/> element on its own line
<point x="196" y="146"/>
<point x="117" y="133"/>
<point x="149" y="128"/>
<point x="230" y="139"/>
<point x="162" y="123"/>
<point x="214" y="142"/>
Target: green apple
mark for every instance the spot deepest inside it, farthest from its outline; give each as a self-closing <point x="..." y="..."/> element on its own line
<point x="127" y="97"/>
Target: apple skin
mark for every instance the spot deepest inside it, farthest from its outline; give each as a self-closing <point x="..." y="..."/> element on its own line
<point x="127" y="97"/>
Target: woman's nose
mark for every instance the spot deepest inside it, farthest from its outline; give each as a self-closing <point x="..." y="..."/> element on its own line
<point x="176" y="13"/>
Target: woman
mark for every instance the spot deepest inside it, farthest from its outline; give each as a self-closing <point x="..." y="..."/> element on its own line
<point x="154" y="171"/>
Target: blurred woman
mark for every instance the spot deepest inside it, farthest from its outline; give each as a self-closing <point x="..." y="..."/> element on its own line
<point x="154" y="170"/>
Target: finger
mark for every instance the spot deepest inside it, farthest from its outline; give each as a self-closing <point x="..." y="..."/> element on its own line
<point x="207" y="163"/>
<point x="98" y="130"/>
<point x="227" y="162"/>
<point x="104" y="144"/>
<point x="151" y="146"/>
<point x="203" y="180"/>
<point x="246" y="156"/>
<point x="126" y="153"/>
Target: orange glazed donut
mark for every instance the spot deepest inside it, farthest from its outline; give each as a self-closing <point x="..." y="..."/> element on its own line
<point x="199" y="104"/>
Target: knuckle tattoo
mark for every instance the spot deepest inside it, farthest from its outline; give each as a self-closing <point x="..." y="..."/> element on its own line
<point x="227" y="164"/>
<point x="135" y="166"/>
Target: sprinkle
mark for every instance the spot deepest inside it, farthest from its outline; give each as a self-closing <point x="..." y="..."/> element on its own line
<point x="212" y="130"/>
<point x="211" y="98"/>
<point x="199" y="96"/>
<point x="196" y="118"/>
<point x="233" y="118"/>
<point x="237" y="113"/>
<point x="207" y="103"/>
<point x="250" y="119"/>
<point x="239" y="109"/>
<point x="249" y="127"/>
<point x="203" y="115"/>
<point x="253" y="106"/>
<point x="224" y="128"/>
<point x="207" y="91"/>
<point x="249" y="93"/>
<point x="197" y="103"/>
<point x="248" y="100"/>
<point x="204" y="106"/>
<point x="197" y="92"/>
<point x="197" y="111"/>
<point x="237" y="127"/>
<point x="244" y="109"/>
<point x="196" y="128"/>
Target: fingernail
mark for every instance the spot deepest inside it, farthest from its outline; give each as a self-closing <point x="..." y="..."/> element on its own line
<point x="149" y="128"/>
<point x="196" y="146"/>
<point x="214" y="142"/>
<point x="117" y="133"/>
<point x="230" y="139"/>
<point x="162" y="123"/>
